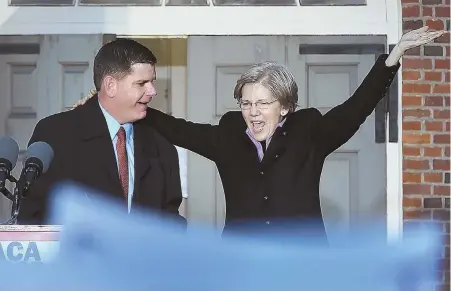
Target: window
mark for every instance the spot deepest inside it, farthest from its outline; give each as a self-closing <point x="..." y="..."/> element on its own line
<point x="121" y="2"/>
<point x="187" y="2"/>
<point x="254" y="2"/>
<point x="42" y="2"/>
<point x="332" y="2"/>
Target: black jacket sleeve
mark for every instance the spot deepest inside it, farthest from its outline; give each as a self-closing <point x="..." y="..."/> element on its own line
<point x="196" y="137"/>
<point x="339" y="124"/>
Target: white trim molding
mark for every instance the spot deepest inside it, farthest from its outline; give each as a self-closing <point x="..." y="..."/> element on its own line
<point x="394" y="150"/>
<point x="207" y="20"/>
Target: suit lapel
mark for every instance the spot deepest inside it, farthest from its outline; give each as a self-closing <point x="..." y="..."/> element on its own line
<point x="96" y="138"/>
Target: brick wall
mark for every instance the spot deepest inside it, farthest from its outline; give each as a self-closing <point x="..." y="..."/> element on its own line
<point x="426" y="124"/>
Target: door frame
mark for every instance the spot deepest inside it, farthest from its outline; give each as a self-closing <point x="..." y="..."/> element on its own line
<point x="378" y="17"/>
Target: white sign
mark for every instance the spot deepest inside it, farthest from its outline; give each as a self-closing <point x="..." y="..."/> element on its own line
<point x="28" y="251"/>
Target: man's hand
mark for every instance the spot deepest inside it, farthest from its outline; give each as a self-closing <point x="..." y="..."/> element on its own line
<point x="83" y="100"/>
<point x="410" y="40"/>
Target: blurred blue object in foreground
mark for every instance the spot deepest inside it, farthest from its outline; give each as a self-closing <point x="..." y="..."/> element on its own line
<point x="102" y="248"/>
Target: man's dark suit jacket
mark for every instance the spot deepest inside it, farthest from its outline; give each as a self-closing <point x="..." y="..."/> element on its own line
<point x="84" y="154"/>
<point x="284" y="187"/>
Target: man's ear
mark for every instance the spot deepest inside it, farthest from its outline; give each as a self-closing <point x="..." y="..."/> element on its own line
<point x="110" y="85"/>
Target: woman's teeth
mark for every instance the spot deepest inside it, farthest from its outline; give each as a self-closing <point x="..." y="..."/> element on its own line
<point x="257" y="126"/>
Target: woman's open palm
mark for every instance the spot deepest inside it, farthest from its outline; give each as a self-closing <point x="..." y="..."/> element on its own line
<point x="419" y="37"/>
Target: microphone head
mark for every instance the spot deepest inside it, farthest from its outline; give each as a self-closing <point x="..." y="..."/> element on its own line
<point x="41" y="151"/>
<point x="9" y="150"/>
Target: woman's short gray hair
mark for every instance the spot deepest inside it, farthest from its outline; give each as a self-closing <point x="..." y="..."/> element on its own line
<point x="276" y="78"/>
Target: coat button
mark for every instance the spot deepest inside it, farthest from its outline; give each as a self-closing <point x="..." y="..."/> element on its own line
<point x="268" y="222"/>
<point x="262" y="173"/>
<point x="284" y="133"/>
<point x="276" y="156"/>
<point x="266" y="197"/>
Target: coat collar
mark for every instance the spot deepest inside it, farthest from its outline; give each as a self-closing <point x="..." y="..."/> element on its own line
<point x="94" y="130"/>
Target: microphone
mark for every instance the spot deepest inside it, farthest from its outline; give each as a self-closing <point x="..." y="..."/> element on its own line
<point x="9" y="152"/>
<point x="37" y="161"/>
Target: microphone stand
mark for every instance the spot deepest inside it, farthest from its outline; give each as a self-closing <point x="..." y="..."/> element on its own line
<point x="15" y="198"/>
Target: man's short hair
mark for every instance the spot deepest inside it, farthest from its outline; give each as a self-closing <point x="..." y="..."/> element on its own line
<point x="116" y="58"/>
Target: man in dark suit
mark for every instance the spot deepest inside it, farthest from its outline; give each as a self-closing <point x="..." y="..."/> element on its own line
<point x="105" y="145"/>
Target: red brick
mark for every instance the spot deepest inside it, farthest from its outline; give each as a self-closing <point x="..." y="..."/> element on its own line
<point x="416" y="138"/>
<point x="411" y="125"/>
<point x="441" y="139"/>
<point x="441" y="114"/>
<point x="411" y="177"/>
<point x="433" y="177"/>
<point x="441" y="64"/>
<point x="433" y="101"/>
<point x="420" y="189"/>
<point x="416" y="88"/>
<point x="411" y="75"/>
<point x="441" y="190"/>
<point x="431" y="2"/>
<point x="447" y="151"/>
<point x="417" y="214"/>
<point x="411" y="101"/>
<point x="416" y="113"/>
<point x="443" y="39"/>
<point x="411" y="202"/>
<point x="433" y="125"/>
<point x="447" y="126"/>
<point x="441" y="88"/>
<point x="411" y="11"/>
<point x="411" y="151"/>
<point x="447" y="76"/>
<point x="432" y="152"/>
<point x="427" y="11"/>
<point x="441" y="11"/>
<point x="433" y="76"/>
<point x="433" y="51"/>
<point x="436" y="24"/>
<point x="440" y="165"/>
<point x="409" y="25"/>
<point x="415" y="164"/>
<point x="410" y="63"/>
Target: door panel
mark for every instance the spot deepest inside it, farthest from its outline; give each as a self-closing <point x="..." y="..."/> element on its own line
<point x="326" y="81"/>
<point x="69" y="70"/>
<point x="35" y="86"/>
<point x="18" y="107"/>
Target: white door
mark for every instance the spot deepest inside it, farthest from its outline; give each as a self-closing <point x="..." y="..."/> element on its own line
<point x="346" y="195"/>
<point x="214" y="65"/>
<point x="35" y="86"/>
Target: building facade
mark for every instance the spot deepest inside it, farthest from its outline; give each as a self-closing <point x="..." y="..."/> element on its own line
<point x="402" y="149"/>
